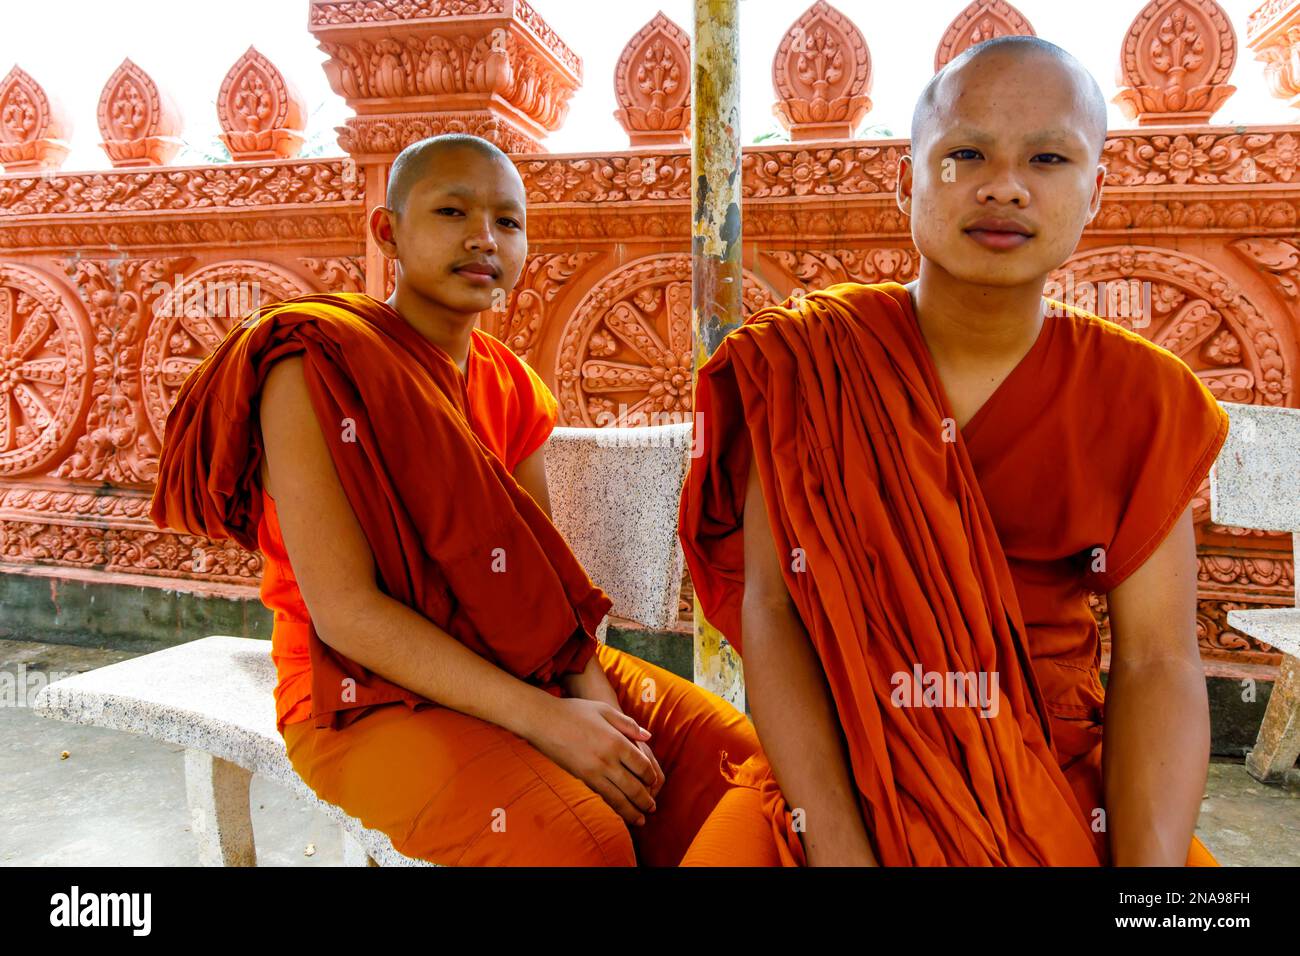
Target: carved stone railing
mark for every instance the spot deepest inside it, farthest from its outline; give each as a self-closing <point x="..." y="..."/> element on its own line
<point x="115" y="284"/>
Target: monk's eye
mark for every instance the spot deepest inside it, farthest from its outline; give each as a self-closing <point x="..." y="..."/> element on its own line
<point x="513" y="224"/>
<point x="445" y="209"/>
<point x="965" y="150"/>
<point x="1057" y="155"/>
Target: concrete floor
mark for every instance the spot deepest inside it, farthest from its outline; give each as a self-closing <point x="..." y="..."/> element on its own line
<point x="119" y="799"/>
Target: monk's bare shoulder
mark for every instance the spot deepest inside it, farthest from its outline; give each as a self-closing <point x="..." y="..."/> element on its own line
<point x="309" y="498"/>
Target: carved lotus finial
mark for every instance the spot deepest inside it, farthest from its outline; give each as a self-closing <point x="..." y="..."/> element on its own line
<point x="262" y="114"/>
<point x="34" y="127"/>
<point x="140" y="123"/>
<point x="822" y="75"/>
<point x="652" y="83"/>
<point x="1175" y="62"/>
<point x="980" y="21"/>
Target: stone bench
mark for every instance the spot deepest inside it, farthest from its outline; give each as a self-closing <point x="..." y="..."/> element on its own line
<point x="1255" y="483"/>
<point x="614" y="495"/>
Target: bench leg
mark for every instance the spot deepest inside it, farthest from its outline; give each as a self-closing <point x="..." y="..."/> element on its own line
<point x="1278" y="743"/>
<point x="354" y="854"/>
<point x="222" y="823"/>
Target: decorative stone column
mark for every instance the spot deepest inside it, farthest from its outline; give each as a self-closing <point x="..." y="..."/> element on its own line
<point x="417" y="68"/>
<point x="1273" y="32"/>
<point x="34" y="127"/>
<point x="822" y="75"/>
<point x="1175" y="63"/>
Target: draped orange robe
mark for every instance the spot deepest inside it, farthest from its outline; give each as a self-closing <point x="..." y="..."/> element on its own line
<point x="403" y="449"/>
<point x="510" y="409"/>
<point x="969" y="550"/>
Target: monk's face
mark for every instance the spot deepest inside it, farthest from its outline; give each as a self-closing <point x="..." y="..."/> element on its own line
<point x="1007" y="139"/>
<point x="462" y="237"/>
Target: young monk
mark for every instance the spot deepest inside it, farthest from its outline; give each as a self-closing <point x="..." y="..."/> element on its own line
<point x="907" y="493"/>
<point x="434" y="635"/>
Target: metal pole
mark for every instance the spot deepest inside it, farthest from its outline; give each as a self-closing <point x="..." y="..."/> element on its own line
<point x="716" y="285"/>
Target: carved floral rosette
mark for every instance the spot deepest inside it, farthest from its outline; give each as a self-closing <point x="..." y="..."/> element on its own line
<point x="822" y="75"/>
<point x="625" y="354"/>
<point x="193" y="317"/>
<point x="45" y="355"/>
<point x="262" y="115"/>
<point x="1187" y="306"/>
<point x="531" y="305"/>
<point x="34" y="127"/>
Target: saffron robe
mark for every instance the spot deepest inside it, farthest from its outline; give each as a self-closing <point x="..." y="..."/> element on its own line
<point x="973" y="554"/>
<point x="450" y="529"/>
<point x="510" y="409"/>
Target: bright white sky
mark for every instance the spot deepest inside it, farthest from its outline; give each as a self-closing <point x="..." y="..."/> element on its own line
<point x="73" y="46"/>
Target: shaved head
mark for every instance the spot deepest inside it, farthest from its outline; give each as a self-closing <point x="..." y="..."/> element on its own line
<point x="455" y="219"/>
<point x="1015" y="52"/>
<point x="417" y="161"/>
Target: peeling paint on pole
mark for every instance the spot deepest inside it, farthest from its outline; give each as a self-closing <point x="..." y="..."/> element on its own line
<point x="716" y="282"/>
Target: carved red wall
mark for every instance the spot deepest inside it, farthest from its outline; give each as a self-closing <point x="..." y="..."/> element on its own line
<point x="115" y="284"/>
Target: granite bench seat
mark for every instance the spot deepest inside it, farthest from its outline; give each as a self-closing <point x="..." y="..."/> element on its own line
<point x="1255" y="483"/>
<point x="614" y="495"/>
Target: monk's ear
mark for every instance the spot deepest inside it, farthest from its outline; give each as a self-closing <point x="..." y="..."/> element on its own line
<point x="1096" y="196"/>
<point x="903" y="190"/>
<point x="383" y="227"/>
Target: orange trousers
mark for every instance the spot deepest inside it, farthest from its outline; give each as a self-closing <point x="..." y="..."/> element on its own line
<point x="739" y="831"/>
<point x="441" y="783"/>
<point x="436" y="780"/>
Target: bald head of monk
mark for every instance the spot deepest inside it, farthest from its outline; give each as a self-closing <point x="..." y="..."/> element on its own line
<point x="1010" y="130"/>
<point x="454" y="219"/>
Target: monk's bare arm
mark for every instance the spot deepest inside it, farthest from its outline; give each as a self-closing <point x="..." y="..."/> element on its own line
<point x="531" y="475"/>
<point x="592" y="683"/>
<point x="354" y="616"/>
<point x="1156" y="745"/>
<point x="337" y="580"/>
<point x="792" y="706"/>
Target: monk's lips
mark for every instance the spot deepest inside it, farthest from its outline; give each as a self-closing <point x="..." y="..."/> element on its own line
<point x="996" y="239"/>
<point x="476" y="274"/>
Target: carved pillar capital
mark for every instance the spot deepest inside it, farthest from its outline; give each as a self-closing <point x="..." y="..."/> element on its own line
<point x="417" y="68"/>
<point x="1273" y="32"/>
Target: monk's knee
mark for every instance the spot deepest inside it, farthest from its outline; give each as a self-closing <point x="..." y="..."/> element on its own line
<point x="736" y="834"/>
<point x="543" y="827"/>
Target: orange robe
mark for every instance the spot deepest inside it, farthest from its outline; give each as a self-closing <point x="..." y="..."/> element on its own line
<point x="401" y="404"/>
<point x="510" y="409"/>
<point x="973" y="554"/>
<point x="445" y="786"/>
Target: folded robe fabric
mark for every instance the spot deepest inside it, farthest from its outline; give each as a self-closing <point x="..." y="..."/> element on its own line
<point x="453" y="534"/>
<point x="894" y="566"/>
